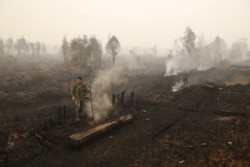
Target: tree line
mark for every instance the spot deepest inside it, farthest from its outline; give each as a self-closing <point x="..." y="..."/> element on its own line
<point x="193" y="52"/>
<point x="191" y="44"/>
<point x="88" y="51"/>
<point x="21" y="47"/>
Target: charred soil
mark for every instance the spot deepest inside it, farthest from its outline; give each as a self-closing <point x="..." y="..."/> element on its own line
<point x="206" y="123"/>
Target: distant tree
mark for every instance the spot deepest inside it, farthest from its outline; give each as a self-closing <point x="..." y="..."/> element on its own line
<point x="219" y="46"/>
<point x="154" y="51"/>
<point x="239" y="50"/>
<point x="74" y="50"/>
<point x="1" y="47"/>
<point x="86" y="49"/>
<point x="21" y="46"/>
<point x="65" y="49"/>
<point x="113" y="47"/>
<point x="77" y="51"/>
<point x="43" y="49"/>
<point x="189" y="40"/>
<point x="9" y="45"/>
<point x="32" y="48"/>
<point x="96" y="51"/>
<point x="37" y="48"/>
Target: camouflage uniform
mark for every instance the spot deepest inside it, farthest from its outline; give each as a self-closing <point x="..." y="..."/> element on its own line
<point x="79" y="92"/>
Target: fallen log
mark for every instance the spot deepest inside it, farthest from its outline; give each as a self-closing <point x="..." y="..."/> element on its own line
<point x="91" y="134"/>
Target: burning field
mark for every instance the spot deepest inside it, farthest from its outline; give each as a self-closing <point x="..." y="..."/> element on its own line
<point x="200" y="118"/>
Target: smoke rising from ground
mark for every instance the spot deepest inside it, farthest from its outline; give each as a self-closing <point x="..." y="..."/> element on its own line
<point x="101" y="92"/>
<point x="191" y="53"/>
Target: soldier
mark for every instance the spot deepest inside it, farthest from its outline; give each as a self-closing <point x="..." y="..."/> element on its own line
<point x="78" y="92"/>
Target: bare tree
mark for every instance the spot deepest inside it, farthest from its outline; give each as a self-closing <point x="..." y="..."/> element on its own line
<point x="1" y="47"/>
<point x="43" y="49"/>
<point x="113" y="47"/>
<point x="9" y="45"/>
<point x="32" y="48"/>
<point x="65" y="49"/>
<point x="38" y="48"/>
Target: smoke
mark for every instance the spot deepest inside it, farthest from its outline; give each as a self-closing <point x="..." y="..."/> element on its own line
<point x="178" y="85"/>
<point x="101" y="92"/>
<point x="205" y="56"/>
<point x="192" y="53"/>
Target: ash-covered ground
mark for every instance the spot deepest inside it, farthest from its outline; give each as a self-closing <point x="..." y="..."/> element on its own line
<point x="205" y="122"/>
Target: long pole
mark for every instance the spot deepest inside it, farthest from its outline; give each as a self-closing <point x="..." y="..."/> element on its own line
<point x="91" y="101"/>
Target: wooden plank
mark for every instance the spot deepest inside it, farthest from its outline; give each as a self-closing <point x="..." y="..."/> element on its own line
<point x="95" y="132"/>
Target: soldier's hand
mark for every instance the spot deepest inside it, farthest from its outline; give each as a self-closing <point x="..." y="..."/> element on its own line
<point x="73" y="98"/>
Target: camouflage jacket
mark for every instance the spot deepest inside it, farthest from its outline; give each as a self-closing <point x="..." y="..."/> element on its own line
<point x="79" y="91"/>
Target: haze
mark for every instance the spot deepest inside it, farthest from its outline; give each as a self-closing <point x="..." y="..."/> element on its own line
<point x="142" y="23"/>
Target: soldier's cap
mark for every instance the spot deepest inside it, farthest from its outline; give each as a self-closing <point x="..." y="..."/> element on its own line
<point x="80" y="78"/>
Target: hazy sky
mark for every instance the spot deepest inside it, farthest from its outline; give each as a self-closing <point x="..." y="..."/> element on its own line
<point x="135" y="22"/>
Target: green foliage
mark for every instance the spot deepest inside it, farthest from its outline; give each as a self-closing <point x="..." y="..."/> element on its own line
<point x="83" y="52"/>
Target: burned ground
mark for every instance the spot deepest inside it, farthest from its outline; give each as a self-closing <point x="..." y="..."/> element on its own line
<point x="204" y="124"/>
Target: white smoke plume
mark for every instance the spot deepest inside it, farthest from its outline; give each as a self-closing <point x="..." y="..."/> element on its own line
<point x="204" y="56"/>
<point x="101" y="92"/>
<point x="178" y="86"/>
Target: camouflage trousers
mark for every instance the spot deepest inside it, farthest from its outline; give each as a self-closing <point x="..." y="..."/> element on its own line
<point x="79" y="106"/>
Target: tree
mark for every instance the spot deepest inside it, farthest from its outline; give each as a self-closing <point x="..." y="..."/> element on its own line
<point x="113" y="47"/>
<point x="189" y="40"/>
<point x="37" y="48"/>
<point x="154" y="50"/>
<point x="219" y="47"/>
<point x="96" y="51"/>
<point x="239" y="50"/>
<point x="9" y="45"/>
<point x="78" y="52"/>
<point x="65" y="49"/>
<point x="43" y="49"/>
<point x="32" y="48"/>
<point x="74" y="50"/>
<point x="21" y="46"/>
<point x="1" y="47"/>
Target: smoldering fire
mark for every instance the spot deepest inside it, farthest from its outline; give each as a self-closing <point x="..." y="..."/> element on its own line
<point x="101" y="87"/>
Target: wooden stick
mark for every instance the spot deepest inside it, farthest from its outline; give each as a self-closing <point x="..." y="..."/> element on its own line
<point x="122" y="96"/>
<point x="59" y="114"/>
<point x="91" y="101"/>
<point x="113" y="100"/>
<point x="132" y="97"/>
<point x="64" y="113"/>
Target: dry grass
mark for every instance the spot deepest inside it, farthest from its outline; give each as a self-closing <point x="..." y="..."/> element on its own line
<point x="37" y="75"/>
<point x="242" y="80"/>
